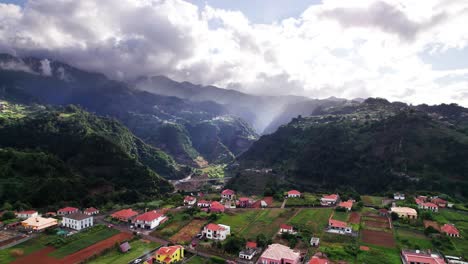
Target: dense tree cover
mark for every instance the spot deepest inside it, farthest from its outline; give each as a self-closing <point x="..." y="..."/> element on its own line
<point x="59" y="155"/>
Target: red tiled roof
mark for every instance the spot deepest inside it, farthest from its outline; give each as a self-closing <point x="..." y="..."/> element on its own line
<point x="337" y="223"/>
<point x="251" y="244"/>
<point x="418" y="200"/>
<point x="285" y="226"/>
<point x="148" y="216"/>
<point x="331" y="196"/>
<point x="450" y="229"/>
<point x="68" y="209"/>
<point x="422" y="258"/>
<point x="216" y="206"/>
<point x="317" y="260"/>
<point x="227" y="192"/>
<point x="364" y="248"/>
<point x="244" y="199"/>
<point x="168" y="250"/>
<point x="214" y="227"/>
<point x="90" y="210"/>
<point x="347" y="204"/>
<point x="27" y="212"/>
<point x="189" y="198"/>
<point x="439" y="201"/>
<point x="430" y="205"/>
<point x="125" y="213"/>
<point x="294" y="192"/>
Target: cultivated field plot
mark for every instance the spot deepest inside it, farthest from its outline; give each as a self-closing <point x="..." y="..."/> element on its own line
<point x="341" y="216"/>
<point x="381" y="255"/>
<point x="170" y="229"/>
<point x="7" y="237"/>
<point x="313" y="220"/>
<point x="354" y="218"/>
<point x="239" y="219"/>
<point x="409" y="238"/>
<point x="379" y="238"/>
<point x="372" y="200"/>
<point x="139" y="247"/>
<point x="460" y="220"/>
<point x="267" y="222"/>
<point x="186" y="234"/>
<point x="307" y="199"/>
<point x="375" y="222"/>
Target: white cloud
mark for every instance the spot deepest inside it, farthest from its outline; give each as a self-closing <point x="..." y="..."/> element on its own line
<point x="352" y="48"/>
<point x="45" y="67"/>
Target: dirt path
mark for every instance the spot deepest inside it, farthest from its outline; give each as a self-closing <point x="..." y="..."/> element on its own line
<point x="283" y="204"/>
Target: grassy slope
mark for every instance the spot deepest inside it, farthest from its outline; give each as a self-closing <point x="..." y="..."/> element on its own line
<point x="116" y="257"/>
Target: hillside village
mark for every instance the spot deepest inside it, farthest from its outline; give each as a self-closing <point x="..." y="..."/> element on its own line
<point x="227" y="227"/>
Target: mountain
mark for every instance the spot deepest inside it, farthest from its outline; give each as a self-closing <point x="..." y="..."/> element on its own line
<point x="372" y="147"/>
<point x="164" y="122"/>
<point x="264" y="113"/>
<point x="73" y="155"/>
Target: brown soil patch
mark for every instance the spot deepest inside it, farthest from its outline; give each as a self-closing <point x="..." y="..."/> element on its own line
<point x="187" y="233"/>
<point x="428" y="223"/>
<point x="376" y="224"/>
<point x="354" y="218"/>
<point x="378" y="238"/>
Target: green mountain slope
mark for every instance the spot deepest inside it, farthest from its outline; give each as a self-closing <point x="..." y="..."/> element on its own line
<point x="371" y="147"/>
<point x="73" y="155"/>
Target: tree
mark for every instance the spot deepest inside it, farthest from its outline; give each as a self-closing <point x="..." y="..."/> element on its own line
<point x="430" y="230"/>
<point x="234" y="244"/>
<point x="7" y="206"/>
<point x="394" y="216"/>
<point x="8" y="215"/>
<point x="262" y="240"/>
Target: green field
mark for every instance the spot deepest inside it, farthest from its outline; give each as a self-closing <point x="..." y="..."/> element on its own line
<point x="379" y="255"/>
<point x="460" y="220"/>
<point x="238" y="220"/>
<point x="412" y="239"/>
<point x="201" y="260"/>
<point x="177" y="221"/>
<point x="27" y="247"/>
<point x="342" y="216"/>
<point x="214" y="171"/>
<point x="83" y="240"/>
<point x="372" y="200"/>
<point x="139" y="248"/>
<point x="312" y="220"/>
<point x="307" y="199"/>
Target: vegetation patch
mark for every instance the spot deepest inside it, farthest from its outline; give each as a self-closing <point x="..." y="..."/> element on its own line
<point x="114" y="256"/>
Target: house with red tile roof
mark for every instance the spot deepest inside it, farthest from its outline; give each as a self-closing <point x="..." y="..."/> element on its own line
<point x="249" y="251"/>
<point x="450" y="230"/>
<point x="91" y="211"/>
<point x="422" y="257"/>
<point x="125" y="215"/>
<point x="339" y="227"/>
<point x="319" y="258"/>
<point x="149" y="220"/>
<point x="245" y="202"/>
<point x="67" y="210"/>
<point x="286" y="229"/>
<point x="216" y="207"/>
<point x="429" y="206"/>
<point x="26" y="214"/>
<point x="228" y="194"/>
<point x="251" y="244"/>
<point x="170" y="254"/>
<point x="329" y="200"/>
<point x="347" y="205"/>
<point x="204" y="204"/>
<point x="277" y="253"/>
<point x="439" y="201"/>
<point x="294" y="194"/>
<point x="190" y="200"/>
<point x="216" y="231"/>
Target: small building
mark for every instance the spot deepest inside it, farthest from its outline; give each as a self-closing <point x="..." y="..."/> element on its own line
<point x="149" y="220"/>
<point x="190" y="200"/>
<point x="39" y="223"/>
<point x="26" y="214"/>
<point x="249" y="251"/>
<point x="329" y="200"/>
<point x="319" y="258"/>
<point x="91" y="211"/>
<point x="228" y="194"/>
<point x="399" y="196"/>
<point x="294" y="194"/>
<point x="125" y="247"/>
<point x="277" y="253"/>
<point x="405" y="212"/>
<point x="315" y="241"/>
<point x="216" y="231"/>
<point x="216" y="207"/>
<point x="50" y="214"/>
<point x="440" y="202"/>
<point x="125" y="215"/>
<point x="77" y="221"/>
<point x="204" y="204"/>
<point x="429" y="206"/>
<point x="421" y="257"/>
<point x="348" y="205"/>
<point x="245" y="202"/>
<point x="170" y="254"/>
<point x="286" y="229"/>
<point x="339" y="227"/>
<point x="450" y="230"/>
<point x="67" y="210"/>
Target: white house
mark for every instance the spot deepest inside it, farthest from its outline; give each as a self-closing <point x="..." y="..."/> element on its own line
<point x="149" y="220"/>
<point x="27" y="214"/>
<point x="398" y="196"/>
<point x="91" y="211"/>
<point x="328" y="200"/>
<point x="204" y="204"/>
<point x="216" y="231"/>
<point x="228" y="194"/>
<point x="339" y="227"/>
<point x="77" y="221"/>
<point x="294" y="194"/>
<point x="429" y="206"/>
<point x="190" y="200"/>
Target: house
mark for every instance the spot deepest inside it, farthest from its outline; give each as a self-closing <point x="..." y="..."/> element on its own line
<point x="286" y="229"/>
<point x="190" y="200"/>
<point x="216" y="207"/>
<point x="421" y="257"/>
<point x="245" y="202"/>
<point x="204" y="204"/>
<point x="67" y="210"/>
<point x="125" y="247"/>
<point x="26" y="214"/>
<point x="170" y="254"/>
<point x="149" y="220"/>
<point x="329" y="200"/>
<point x="216" y="231"/>
<point x="294" y="194"/>
<point x="428" y="206"/>
<point x="314" y="241"/>
<point x="228" y="194"/>
<point x="277" y="253"/>
<point x="418" y="200"/>
<point x="50" y="214"/>
<point x="339" y="227"/>
<point x="398" y="196"/>
<point x="39" y="223"/>
<point x="450" y="230"/>
<point x="319" y="258"/>
<point x="440" y="202"/>
<point x="347" y="205"/>
<point x="405" y="212"/>
<point x="125" y="215"/>
<point x="249" y="251"/>
<point x="91" y="211"/>
<point x="77" y="221"/>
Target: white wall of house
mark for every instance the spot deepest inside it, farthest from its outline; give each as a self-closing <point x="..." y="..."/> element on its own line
<point x="150" y="224"/>
<point x="26" y="216"/>
<point x="77" y="224"/>
<point x="217" y="235"/>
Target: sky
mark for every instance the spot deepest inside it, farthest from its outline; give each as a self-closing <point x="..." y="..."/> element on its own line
<point x="403" y="50"/>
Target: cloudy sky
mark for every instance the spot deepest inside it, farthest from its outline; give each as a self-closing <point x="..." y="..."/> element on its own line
<point x="404" y="50"/>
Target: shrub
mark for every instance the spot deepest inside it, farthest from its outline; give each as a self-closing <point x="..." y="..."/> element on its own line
<point x="16" y="253"/>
